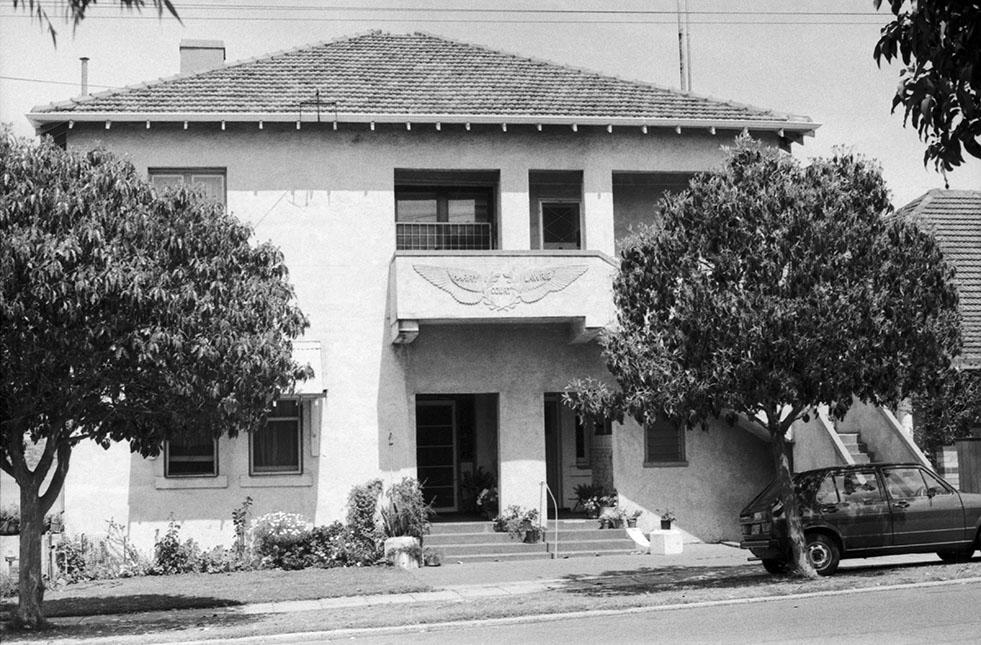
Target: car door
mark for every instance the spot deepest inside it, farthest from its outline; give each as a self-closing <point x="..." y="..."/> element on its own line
<point x="861" y="513"/>
<point x="925" y="511"/>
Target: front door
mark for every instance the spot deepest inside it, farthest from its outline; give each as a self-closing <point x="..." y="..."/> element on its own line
<point x="924" y="511"/>
<point x="436" y="452"/>
<point x="553" y="448"/>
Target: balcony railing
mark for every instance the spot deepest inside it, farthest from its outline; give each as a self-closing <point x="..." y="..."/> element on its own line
<point x="442" y="236"/>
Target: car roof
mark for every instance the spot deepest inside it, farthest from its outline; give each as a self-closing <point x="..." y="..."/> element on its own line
<point x="847" y="467"/>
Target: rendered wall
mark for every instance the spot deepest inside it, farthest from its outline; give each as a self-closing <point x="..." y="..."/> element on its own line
<point x="327" y="199"/>
<point x="727" y="467"/>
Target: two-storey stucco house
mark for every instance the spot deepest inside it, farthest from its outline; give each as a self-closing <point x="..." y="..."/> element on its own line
<point x="450" y="216"/>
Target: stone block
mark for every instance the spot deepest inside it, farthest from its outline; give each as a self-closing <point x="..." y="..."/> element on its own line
<point x="666" y="542"/>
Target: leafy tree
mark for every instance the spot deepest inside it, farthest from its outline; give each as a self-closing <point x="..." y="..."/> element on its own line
<point x="939" y="42"/>
<point x="768" y="289"/>
<point x="949" y="412"/>
<point x="75" y="11"/>
<point x="124" y="316"/>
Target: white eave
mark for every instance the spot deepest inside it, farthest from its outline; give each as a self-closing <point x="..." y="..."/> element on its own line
<point x="789" y="124"/>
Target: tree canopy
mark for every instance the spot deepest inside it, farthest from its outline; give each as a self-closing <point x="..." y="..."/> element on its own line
<point x="939" y="42"/>
<point x="768" y="289"/>
<point x="75" y="10"/>
<point x="126" y="315"/>
<point x="950" y="412"/>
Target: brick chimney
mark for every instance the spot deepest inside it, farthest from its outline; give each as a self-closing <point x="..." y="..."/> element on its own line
<point x="201" y="55"/>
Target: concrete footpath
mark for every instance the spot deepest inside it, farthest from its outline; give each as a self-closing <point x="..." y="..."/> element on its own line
<point x="461" y="582"/>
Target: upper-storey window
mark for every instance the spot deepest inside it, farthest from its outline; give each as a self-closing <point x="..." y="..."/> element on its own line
<point x="555" y="198"/>
<point x="210" y="181"/>
<point x="445" y="210"/>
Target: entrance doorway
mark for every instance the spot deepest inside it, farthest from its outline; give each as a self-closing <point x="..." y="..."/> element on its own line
<point x="456" y="449"/>
<point x="567" y="452"/>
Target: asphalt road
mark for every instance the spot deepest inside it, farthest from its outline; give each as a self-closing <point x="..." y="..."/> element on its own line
<point x="944" y="614"/>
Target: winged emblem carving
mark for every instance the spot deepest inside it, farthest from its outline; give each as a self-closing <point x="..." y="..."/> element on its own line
<point x="500" y="290"/>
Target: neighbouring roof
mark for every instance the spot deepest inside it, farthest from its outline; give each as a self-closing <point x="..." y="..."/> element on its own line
<point x="954" y="217"/>
<point x="389" y="77"/>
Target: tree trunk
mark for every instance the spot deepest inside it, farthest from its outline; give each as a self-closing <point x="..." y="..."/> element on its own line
<point x="31" y="584"/>
<point x="797" y="558"/>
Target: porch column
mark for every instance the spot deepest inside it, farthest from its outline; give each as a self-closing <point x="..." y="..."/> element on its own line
<point x="515" y="222"/>
<point x="521" y="438"/>
<point x="597" y="188"/>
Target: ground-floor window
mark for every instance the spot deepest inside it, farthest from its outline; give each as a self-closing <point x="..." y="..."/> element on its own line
<point x="664" y="443"/>
<point x="275" y="448"/>
<point x="191" y="457"/>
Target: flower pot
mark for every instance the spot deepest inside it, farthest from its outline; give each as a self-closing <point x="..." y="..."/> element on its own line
<point x="592" y="513"/>
<point x="404" y="552"/>
<point x="632" y="522"/>
<point x="666" y="525"/>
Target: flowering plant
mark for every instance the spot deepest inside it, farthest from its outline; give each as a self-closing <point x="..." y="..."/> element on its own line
<point x="274" y="533"/>
<point x="487" y="502"/>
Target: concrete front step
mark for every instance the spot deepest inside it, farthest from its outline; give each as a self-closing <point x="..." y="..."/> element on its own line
<point x="477" y="541"/>
<point x="495" y="548"/>
<point x="444" y="528"/>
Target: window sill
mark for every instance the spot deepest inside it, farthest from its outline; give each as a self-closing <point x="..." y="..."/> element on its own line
<point x="665" y="464"/>
<point x="188" y="483"/>
<point x="275" y="481"/>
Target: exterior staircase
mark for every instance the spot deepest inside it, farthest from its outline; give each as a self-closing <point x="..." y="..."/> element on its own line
<point x="478" y="542"/>
<point x="853" y="443"/>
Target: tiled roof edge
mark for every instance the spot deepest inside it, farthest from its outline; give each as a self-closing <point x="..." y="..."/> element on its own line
<point x="632" y="81"/>
<point x="81" y="100"/>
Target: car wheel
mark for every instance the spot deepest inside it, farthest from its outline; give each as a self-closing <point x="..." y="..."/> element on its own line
<point x="956" y="555"/>
<point x="823" y="554"/>
<point x="775" y="566"/>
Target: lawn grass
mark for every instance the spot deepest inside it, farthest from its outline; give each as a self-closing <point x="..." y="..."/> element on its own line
<point x="629" y="591"/>
<point x="198" y="590"/>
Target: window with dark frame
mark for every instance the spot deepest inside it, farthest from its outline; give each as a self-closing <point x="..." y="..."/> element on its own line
<point x="276" y="448"/>
<point x="211" y="181"/>
<point x="191" y="458"/>
<point x="664" y="443"/>
<point x="582" y="443"/>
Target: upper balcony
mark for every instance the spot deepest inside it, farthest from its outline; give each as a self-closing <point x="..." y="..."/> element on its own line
<point x="441" y="287"/>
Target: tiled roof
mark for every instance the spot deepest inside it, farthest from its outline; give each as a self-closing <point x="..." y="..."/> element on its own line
<point x="413" y="74"/>
<point x="954" y="216"/>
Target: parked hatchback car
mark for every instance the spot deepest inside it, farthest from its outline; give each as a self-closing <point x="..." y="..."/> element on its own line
<point x="862" y="511"/>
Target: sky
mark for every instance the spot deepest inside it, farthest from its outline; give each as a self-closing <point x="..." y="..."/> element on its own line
<point x="807" y="57"/>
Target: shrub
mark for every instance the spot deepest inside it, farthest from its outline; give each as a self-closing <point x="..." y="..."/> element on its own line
<point x="79" y="558"/>
<point x="240" y="520"/>
<point x="404" y="511"/>
<point x="8" y="586"/>
<point x="173" y="556"/>
<point x="280" y="539"/>
<point x="362" y="519"/>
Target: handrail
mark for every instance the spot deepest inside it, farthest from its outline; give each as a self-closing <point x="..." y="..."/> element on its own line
<point x="542" y="489"/>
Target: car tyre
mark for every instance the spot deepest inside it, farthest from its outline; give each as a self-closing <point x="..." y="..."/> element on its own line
<point x="823" y="554"/>
<point x="776" y="566"/>
<point x="952" y="556"/>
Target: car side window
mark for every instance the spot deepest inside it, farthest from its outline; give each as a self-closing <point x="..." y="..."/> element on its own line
<point x="903" y="483"/>
<point x="859" y="487"/>
<point x="827" y="491"/>
<point x="935" y="486"/>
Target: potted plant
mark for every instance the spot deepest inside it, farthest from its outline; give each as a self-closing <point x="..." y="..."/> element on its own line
<point x="630" y="517"/>
<point x="487" y="502"/>
<point x="521" y="524"/>
<point x="667" y="517"/>
<point x="405" y="519"/>
<point x="607" y="502"/>
<point x="610" y="518"/>
<point x="587" y="496"/>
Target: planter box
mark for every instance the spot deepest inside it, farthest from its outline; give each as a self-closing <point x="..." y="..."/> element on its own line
<point x="666" y="542"/>
<point x="403" y="552"/>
